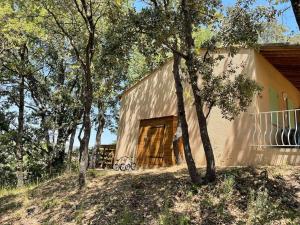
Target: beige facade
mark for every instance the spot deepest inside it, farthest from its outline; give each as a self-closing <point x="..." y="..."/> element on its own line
<point x="155" y="96"/>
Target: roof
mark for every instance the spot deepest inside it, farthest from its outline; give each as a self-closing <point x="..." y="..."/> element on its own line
<point x="272" y="51"/>
<point x="286" y="59"/>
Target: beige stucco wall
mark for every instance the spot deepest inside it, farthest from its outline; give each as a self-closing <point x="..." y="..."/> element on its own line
<point x="155" y="97"/>
<point x="237" y="150"/>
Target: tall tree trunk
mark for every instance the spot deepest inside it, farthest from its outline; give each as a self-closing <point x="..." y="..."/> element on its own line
<point x="81" y="143"/>
<point x="101" y="123"/>
<point x="84" y="145"/>
<point x="62" y="136"/>
<point x="19" y="140"/>
<point x="192" y="70"/>
<point x="71" y="143"/>
<point x="48" y="143"/>
<point x="20" y="175"/>
<point x="60" y="148"/>
<point x="176" y="141"/>
<point x="209" y="155"/>
<point x="184" y="126"/>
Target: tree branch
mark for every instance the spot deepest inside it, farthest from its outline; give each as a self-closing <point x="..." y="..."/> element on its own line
<point x="82" y="14"/>
<point x="67" y="35"/>
<point x="209" y="109"/>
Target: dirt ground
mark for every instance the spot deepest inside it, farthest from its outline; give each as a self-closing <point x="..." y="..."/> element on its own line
<point x="244" y="195"/>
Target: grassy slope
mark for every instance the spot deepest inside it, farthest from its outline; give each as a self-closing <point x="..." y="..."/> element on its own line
<point x="165" y="196"/>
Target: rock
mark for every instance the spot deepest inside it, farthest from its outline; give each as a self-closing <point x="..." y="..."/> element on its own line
<point x="31" y="210"/>
<point x="264" y="174"/>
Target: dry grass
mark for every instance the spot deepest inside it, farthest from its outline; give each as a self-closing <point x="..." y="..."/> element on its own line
<point x="269" y="195"/>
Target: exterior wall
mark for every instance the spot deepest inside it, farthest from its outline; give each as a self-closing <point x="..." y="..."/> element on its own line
<point x="237" y="150"/>
<point x="155" y="97"/>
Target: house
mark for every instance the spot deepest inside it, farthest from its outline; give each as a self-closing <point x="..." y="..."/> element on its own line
<point x="267" y="134"/>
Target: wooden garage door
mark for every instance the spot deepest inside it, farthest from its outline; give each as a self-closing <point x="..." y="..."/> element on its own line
<point x="155" y="142"/>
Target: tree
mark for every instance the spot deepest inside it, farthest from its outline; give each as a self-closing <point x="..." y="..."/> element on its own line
<point x="39" y="78"/>
<point x="151" y="22"/>
<point x="93" y="31"/>
<point x="14" y="60"/>
<point x="112" y="59"/>
<point x="172" y="25"/>
<point x="60" y="61"/>
<point x="78" y="21"/>
<point x="241" y="26"/>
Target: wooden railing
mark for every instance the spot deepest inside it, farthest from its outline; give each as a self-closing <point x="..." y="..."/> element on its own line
<point x="105" y="156"/>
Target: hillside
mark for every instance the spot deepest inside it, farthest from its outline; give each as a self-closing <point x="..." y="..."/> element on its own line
<point x="241" y="196"/>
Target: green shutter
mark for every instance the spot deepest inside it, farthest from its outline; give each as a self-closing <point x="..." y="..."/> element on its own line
<point x="292" y="113"/>
<point x="290" y="104"/>
<point x="273" y="103"/>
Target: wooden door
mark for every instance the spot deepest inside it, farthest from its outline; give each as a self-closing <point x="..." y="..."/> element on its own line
<point x="155" y="142"/>
<point x="154" y="145"/>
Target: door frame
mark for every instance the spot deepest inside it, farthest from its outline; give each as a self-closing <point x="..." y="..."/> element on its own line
<point x="159" y="121"/>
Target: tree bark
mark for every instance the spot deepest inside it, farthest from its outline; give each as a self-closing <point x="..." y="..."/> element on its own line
<point x="87" y="14"/>
<point x="60" y="148"/>
<point x="19" y="140"/>
<point x="71" y="143"/>
<point x="184" y="126"/>
<point x="62" y="136"/>
<point x="81" y="145"/>
<point x="48" y="143"/>
<point x="101" y="123"/>
<point x="20" y="175"/>
<point x="87" y="126"/>
<point x="192" y="70"/>
<point x="176" y="140"/>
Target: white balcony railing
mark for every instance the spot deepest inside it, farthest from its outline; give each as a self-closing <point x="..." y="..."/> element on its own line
<point x="277" y="129"/>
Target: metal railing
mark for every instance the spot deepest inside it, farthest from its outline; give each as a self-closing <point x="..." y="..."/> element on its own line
<point x="276" y="129"/>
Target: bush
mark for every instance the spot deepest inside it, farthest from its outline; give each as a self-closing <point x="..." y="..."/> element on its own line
<point x="227" y="187"/>
<point x="261" y="209"/>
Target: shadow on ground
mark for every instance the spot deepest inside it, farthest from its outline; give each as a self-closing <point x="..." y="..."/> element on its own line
<point x="157" y="198"/>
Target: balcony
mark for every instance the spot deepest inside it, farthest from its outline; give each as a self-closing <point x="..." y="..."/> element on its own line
<point x="276" y="129"/>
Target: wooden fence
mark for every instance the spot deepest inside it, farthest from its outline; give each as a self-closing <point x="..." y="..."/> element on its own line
<point x="105" y="156"/>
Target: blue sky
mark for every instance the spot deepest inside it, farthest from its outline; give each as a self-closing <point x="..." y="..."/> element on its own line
<point x="286" y="19"/>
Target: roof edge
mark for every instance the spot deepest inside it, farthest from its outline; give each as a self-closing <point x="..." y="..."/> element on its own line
<point x="266" y="46"/>
<point x="147" y="75"/>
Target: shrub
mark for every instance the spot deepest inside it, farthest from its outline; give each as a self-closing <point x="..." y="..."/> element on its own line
<point x="261" y="209"/>
<point x="50" y="203"/>
<point x="227" y="187"/>
<point x="127" y="218"/>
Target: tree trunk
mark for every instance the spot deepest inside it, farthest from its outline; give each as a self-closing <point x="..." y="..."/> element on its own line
<point x="48" y="143"/>
<point x="101" y="123"/>
<point x="84" y="145"/>
<point x="81" y="143"/>
<point x="62" y="136"/>
<point x="60" y="148"/>
<point x="209" y="155"/>
<point x="176" y="140"/>
<point x="19" y="140"/>
<point x="71" y="143"/>
<point x="20" y="175"/>
<point x="184" y="126"/>
<point x="192" y="70"/>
